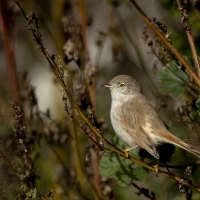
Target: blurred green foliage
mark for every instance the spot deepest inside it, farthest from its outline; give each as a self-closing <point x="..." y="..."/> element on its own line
<point x="122" y="170"/>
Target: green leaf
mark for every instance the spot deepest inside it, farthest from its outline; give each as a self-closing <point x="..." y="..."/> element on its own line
<point x="140" y="172"/>
<point x="113" y="166"/>
<point x="172" y="81"/>
<point x="124" y="171"/>
<point x="198" y="106"/>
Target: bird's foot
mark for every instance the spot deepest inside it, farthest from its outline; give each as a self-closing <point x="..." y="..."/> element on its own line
<point x="156" y="168"/>
<point x="128" y="149"/>
<point x="126" y="153"/>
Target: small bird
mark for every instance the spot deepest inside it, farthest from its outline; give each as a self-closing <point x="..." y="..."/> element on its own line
<point x="136" y="122"/>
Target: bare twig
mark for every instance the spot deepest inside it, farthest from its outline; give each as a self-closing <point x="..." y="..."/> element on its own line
<point x="92" y="91"/>
<point x="9" y="54"/>
<point x="83" y="20"/>
<point x="187" y="25"/>
<point x="173" y="50"/>
<point x="145" y="192"/>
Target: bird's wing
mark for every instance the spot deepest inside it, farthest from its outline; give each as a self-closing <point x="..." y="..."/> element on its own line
<point x="143" y="140"/>
<point x="139" y="121"/>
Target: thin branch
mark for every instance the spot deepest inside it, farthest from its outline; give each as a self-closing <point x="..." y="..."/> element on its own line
<point x="92" y="91"/>
<point x="83" y="21"/>
<point x="184" y="20"/>
<point x="194" y="52"/>
<point x="172" y="49"/>
<point x="144" y="191"/>
<point x="9" y="54"/>
<point x="174" y="166"/>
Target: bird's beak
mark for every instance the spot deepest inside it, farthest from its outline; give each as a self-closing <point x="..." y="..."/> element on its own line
<point x="107" y="85"/>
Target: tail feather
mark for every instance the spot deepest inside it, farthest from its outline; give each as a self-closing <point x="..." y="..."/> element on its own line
<point x="187" y="145"/>
<point x="191" y="147"/>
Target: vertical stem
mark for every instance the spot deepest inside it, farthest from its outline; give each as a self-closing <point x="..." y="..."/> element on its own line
<point x="78" y="159"/>
<point x="194" y="52"/>
<point x="184" y="20"/>
<point x="83" y="20"/>
<point x="92" y="94"/>
<point x="9" y="54"/>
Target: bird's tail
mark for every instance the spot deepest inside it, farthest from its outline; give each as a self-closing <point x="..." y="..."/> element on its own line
<point x="187" y="145"/>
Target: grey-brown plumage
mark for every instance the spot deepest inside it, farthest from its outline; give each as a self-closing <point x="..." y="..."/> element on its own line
<point x="136" y="122"/>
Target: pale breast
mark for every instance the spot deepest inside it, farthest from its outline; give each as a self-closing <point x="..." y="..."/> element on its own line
<point x="119" y="130"/>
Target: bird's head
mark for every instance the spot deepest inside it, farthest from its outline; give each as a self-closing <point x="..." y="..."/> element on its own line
<point x="123" y="85"/>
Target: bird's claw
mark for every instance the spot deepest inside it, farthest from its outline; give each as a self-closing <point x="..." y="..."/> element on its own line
<point x="156" y="168"/>
<point x="126" y="153"/>
<point x="127" y="150"/>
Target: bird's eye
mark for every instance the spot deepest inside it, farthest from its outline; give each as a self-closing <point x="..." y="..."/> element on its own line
<point x="122" y="85"/>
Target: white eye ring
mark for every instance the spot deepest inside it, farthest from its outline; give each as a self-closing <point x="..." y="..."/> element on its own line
<point x="122" y="85"/>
